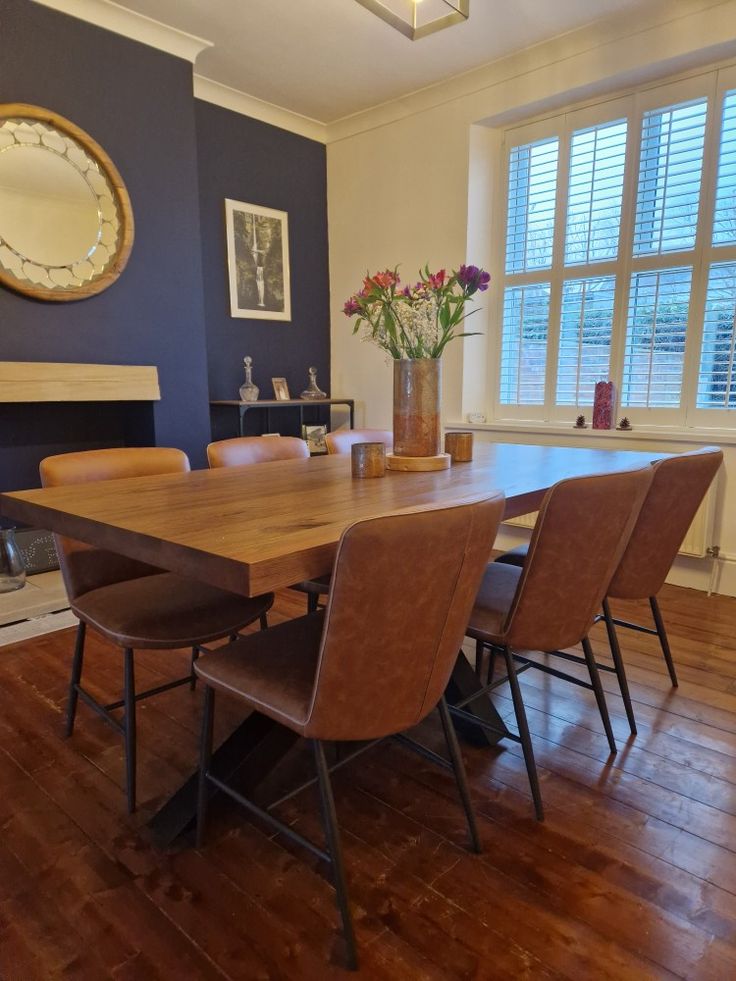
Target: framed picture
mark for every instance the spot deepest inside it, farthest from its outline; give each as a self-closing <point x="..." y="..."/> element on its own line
<point x="258" y="261"/>
<point x="314" y="436"/>
<point x="280" y="389"/>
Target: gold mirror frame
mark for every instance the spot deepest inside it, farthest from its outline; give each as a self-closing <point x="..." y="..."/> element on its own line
<point x="109" y="254"/>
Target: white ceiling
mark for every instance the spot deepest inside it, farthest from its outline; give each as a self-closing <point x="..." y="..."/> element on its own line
<point x="328" y="59"/>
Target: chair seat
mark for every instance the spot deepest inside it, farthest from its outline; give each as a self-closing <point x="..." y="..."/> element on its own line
<point x="493" y="602"/>
<point x="165" y="611"/>
<point x="273" y="671"/>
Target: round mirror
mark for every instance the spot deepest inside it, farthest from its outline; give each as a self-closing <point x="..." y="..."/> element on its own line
<point x="66" y="225"/>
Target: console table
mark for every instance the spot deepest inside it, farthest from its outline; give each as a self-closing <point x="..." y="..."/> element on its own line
<point x="269" y="404"/>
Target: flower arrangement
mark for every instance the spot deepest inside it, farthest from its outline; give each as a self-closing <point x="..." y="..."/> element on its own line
<point x="415" y="321"/>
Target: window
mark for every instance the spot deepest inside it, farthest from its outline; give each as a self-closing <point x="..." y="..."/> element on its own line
<point x="620" y="258"/>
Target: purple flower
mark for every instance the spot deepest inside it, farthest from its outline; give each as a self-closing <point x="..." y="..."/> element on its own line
<point x="471" y="278"/>
<point x="351" y="307"/>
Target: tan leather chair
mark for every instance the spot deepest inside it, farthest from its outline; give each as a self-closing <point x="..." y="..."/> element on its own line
<point x="134" y="605"/>
<point x="255" y="449"/>
<point x="244" y="450"/>
<point x="342" y="439"/>
<point x="678" y="487"/>
<point x="376" y="662"/>
<point x="551" y="603"/>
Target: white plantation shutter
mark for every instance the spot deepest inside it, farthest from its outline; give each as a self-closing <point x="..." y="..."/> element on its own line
<point x="531" y="206"/>
<point x="717" y="371"/>
<point x="655" y="338"/>
<point x="523" y="355"/>
<point x="585" y="338"/>
<point x="668" y="192"/>
<point x="724" y="222"/>
<point x="597" y="158"/>
<point x="717" y="375"/>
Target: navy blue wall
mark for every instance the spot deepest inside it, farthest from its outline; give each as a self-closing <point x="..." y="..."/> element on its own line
<point x="246" y="160"/>
<point x="137" y="103"/>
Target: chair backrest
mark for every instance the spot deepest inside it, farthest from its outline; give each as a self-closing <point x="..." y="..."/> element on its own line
<point x="243" y="450"/>
<point x="679" y="485"/>
<point x="342" y="439"/>
<point x="402" y="590"/>
<point x="582" y="530"/>
<point x="84" y="567"/>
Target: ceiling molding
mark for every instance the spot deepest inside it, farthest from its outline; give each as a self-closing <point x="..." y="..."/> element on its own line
<point x="691" y="19"/>
<point x="229" y="98"/>
<point x="137" y="27"/>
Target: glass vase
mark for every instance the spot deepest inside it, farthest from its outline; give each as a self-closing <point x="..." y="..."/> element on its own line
<point x="417" y="394"/>
<point x="12" y="570"/>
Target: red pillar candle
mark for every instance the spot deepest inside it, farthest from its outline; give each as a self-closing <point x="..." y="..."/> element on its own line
<point x="604" y="405"/>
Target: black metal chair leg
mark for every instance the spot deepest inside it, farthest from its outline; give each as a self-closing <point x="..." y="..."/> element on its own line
<point x="193" y="679"/>
<point x="129" y="722"/>
<point x="312" y="602"/>
<point x="595" y="680"/>
<point x="664" y="642"/>
<point x="618" y="664"/>
<point x="524" y="734"/>
<point x="77" y="663"/>
<point x="479" y="649"/>
<point x="205" y="756"/>
<point x="461" y="777"/>
<point x="332" y="834"/>
<point x="264" y="621"/>
<point x="491" y="665"/>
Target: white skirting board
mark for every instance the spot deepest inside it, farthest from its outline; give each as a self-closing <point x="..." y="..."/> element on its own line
<point x="41" y="594"/>
<point x="15" y="633"/>
<point x="38" y="608"/>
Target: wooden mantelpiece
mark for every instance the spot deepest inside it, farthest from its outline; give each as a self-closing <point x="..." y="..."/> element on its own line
<point x="41" y="381"/>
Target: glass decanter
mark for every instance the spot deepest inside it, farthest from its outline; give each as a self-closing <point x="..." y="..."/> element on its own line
<point x="248" y="391"/>
<point x="313" y="391"/>
<point x="12" y="570"/>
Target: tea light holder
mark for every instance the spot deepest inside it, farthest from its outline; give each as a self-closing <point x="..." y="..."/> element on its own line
<point x="459" y="446"/>
<point x="368" y="459"/>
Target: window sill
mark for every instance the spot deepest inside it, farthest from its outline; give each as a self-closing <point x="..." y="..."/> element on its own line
<point x="702" y="436"/>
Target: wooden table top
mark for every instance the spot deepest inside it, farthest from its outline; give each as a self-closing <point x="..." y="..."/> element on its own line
<point x="257" y="528"/>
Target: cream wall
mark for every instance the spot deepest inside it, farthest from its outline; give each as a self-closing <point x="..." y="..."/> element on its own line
<point x="415" y="182"/>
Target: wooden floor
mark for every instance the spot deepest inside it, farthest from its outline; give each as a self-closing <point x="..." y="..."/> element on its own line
<point x="632" y="875"/>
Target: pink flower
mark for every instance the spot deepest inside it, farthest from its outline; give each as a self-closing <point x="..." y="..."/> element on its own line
<point x="436" y="280"/>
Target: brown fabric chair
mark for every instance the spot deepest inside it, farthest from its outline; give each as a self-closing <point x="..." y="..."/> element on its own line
<point x="551" y="603"/>
<point x="132" y="604"/>
<point x="255" y="449"/>
<point x="678" y="487"/>
<point x="376" y="662"/>
<point x="342" y="439"/>
<point x="244" y="450"/>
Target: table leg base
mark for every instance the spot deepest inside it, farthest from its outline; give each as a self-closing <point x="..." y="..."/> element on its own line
<point x="245" y="758"/>
<point x="463" y="682"/>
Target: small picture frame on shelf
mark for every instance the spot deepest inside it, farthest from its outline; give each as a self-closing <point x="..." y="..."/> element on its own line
<point x="314" y="437"/>
<point x="280" y="389"/>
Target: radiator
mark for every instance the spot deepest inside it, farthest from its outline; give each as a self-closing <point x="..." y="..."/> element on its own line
<point x="697" y="541"/>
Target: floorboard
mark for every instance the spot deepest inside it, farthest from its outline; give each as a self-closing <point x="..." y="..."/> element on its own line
<point x="631" y="876"/>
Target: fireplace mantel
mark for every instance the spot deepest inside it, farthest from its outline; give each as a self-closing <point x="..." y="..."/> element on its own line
<point x="42" y="381"/>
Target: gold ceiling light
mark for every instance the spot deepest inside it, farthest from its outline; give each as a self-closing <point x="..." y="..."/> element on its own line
<point x="418" y="18"/>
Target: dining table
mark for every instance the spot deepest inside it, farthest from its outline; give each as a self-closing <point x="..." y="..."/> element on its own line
<point x="255" y="529"/>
